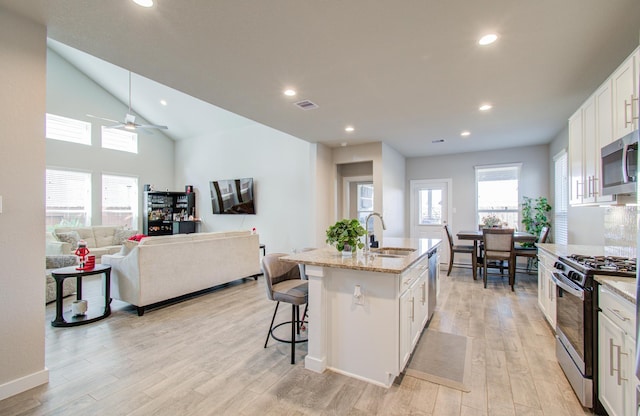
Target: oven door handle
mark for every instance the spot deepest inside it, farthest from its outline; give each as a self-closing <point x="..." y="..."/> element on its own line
<point x="567" y="286"/>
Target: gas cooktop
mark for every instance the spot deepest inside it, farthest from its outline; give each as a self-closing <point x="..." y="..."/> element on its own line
<point x="621" y="266"/>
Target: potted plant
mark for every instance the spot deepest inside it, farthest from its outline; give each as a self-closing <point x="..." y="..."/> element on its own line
<point x="345" y="235"/>
<point x="534" y="216"/>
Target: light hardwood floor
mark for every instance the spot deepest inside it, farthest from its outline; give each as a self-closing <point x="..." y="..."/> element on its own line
<point x="204" y="356"/>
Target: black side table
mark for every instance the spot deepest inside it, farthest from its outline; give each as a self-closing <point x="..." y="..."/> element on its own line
<point x="60" y="274"/>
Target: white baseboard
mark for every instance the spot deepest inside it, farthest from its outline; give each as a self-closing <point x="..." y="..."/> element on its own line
<point x="25" y="383"/>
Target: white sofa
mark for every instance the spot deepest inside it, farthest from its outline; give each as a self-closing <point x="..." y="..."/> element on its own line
<point x="163" y="268"/>
<point x="100" y="239"/>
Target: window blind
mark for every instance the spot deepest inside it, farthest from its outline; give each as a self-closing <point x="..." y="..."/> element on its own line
<point x="68" y="198"/>
<point x="561" y="186"/>
<point x="120" y="200"/>
<point x="68" y="129"/>
<point x="122" y="140"/>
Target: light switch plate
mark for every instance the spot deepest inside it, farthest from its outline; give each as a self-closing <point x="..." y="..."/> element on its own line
<point x="0" y="204"/>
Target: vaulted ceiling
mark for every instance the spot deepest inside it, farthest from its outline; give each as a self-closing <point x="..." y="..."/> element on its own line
<point x="409" y="73"/>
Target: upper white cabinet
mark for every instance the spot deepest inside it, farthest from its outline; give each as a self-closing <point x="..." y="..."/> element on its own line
<point x="625" y="96"/>
<point x="610" y="113"/>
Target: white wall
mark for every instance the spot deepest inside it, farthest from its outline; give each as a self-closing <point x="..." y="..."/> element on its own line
<point x="72" y="94"/>
<point x="279" y="166"/>
<point x="534" y="176"/>
<point x="22" y="159"/>
<point x="394" y="186"/>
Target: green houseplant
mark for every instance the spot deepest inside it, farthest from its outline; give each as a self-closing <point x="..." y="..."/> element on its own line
<point x="534" y="215"/>
<point x="345" y="234"/>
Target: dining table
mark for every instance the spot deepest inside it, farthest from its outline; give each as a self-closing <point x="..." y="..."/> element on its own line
<point x="476" y="236"/>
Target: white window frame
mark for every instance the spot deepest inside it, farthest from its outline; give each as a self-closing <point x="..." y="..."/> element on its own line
<point x="78" y="197"/>
<point x="561" y="198"/>
<point x="112" y="179"/>
<point x="516" y="210"/>
<point x="121" y="140"/>
<point x="67" y="129"/>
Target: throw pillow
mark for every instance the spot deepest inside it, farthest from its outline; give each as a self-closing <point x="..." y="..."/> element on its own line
<point x="71" y="237"/>
<point x="121" y="235"/>
<point x="127" y="246"/>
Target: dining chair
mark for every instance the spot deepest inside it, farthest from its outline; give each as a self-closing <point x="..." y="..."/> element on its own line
<point x="498" y="247"/>
<point x="284" y="284"/>
<point x="459" y="249"/>
<point x="531" y="253"/>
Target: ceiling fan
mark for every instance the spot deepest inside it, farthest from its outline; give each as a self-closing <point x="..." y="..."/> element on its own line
<point x="129" y="122"/>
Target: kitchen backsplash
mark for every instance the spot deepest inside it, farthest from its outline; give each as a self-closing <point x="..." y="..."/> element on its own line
<point x="620" y="231"/>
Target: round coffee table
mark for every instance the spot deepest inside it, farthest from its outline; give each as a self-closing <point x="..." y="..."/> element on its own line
<point x="91" y="316"/>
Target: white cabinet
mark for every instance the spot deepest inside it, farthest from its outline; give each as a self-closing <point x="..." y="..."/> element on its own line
<point x="414" y="306"/>
<point x="616" y="353"/>
<point x="625" y="96"/>
<point x="547" y="287"/>
<point x="610" y="113"/>
<point x="576" y="165"/>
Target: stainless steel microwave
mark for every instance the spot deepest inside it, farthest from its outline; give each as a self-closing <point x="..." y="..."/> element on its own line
<point x="620" y="165"/>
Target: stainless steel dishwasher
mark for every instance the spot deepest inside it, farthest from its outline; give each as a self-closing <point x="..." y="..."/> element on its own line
<point x="432" y="284"/>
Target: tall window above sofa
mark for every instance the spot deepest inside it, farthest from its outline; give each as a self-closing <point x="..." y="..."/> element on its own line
<point x="68" y="200"/>
<point x="120" y="201"/>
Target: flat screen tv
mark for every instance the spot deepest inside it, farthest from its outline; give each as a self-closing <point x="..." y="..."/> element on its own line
<point x="232" y="196"/>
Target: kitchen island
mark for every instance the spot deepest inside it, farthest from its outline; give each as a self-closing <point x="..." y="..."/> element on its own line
<point x="366" y="312"/>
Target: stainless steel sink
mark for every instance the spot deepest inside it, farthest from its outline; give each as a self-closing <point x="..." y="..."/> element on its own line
<point x="392" y="251"/>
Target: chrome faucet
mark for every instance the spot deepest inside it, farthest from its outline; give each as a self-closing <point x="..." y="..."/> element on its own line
<point x="366" y="226"/>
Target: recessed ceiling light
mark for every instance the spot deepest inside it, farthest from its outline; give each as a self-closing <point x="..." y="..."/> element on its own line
<point x="485" y="107"/>
<point x="349" y="129"/>
<point x="465" y="133"/>
<point x="144" y="3"/>
<point x="289" y="92"/>
<point x="343" y="144"/>
<point x="488" y="39"/>
<point x="163" y="102"/>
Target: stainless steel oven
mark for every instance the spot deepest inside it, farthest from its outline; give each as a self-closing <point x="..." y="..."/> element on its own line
<point x="574" y="330"/>
<point x="576" y="318"/>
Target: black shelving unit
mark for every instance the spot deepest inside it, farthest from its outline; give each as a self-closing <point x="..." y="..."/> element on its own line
<point x="167" y="213"/>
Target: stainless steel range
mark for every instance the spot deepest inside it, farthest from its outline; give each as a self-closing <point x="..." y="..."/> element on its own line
<point x="576" y="348"/>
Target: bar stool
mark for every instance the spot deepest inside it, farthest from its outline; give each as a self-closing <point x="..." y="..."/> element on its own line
<point x="284" y="284"/>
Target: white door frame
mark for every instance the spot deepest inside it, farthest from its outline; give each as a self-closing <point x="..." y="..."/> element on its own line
<point x="346" y="182"/>
<point x="413" y="184"/>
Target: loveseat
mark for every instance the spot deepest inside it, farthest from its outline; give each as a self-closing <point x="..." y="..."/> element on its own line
<point x="68" y="285"/>
<point x="100" y="239"/>
<point x="163" y="268"/>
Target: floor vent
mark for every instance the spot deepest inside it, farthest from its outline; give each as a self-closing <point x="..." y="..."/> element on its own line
<point x="306" y="105"/>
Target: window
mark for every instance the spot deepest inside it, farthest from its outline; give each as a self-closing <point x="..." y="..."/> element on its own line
<point x="120" y="201"/>
<point x="68" y="129"/>
<point x="122" y="140"/>
<point x="561" y="186"/>
<point x="365" y="201"/>
<point x="497" y="192"/>
<point x="430" y="201"/>
<point x="68" y="198"/>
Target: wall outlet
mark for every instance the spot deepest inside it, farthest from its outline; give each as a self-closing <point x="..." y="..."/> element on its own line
<point x="0" y="204"/>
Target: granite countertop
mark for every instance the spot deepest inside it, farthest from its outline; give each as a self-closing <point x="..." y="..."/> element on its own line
<point x="623" y="286"/>
<point x="567" y="249"/>
<point x="330" y="257"/>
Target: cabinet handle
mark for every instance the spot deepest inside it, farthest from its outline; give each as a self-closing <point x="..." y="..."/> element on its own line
<point x="595" y="188"/>
<point x="618" y="314"/>
<point x="611" y="357"/>
<point x="412" y="311"/>
<point x="620" y="378"/>
<point x="578" y="186"/>
<point x="424" y="292"/>
<point x="633" y="116"/>
<point x="628" y="104"/>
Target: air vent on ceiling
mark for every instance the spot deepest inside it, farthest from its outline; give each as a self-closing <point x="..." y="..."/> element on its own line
<point x="437" y="141"/>
<point x="306" y="105"/>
